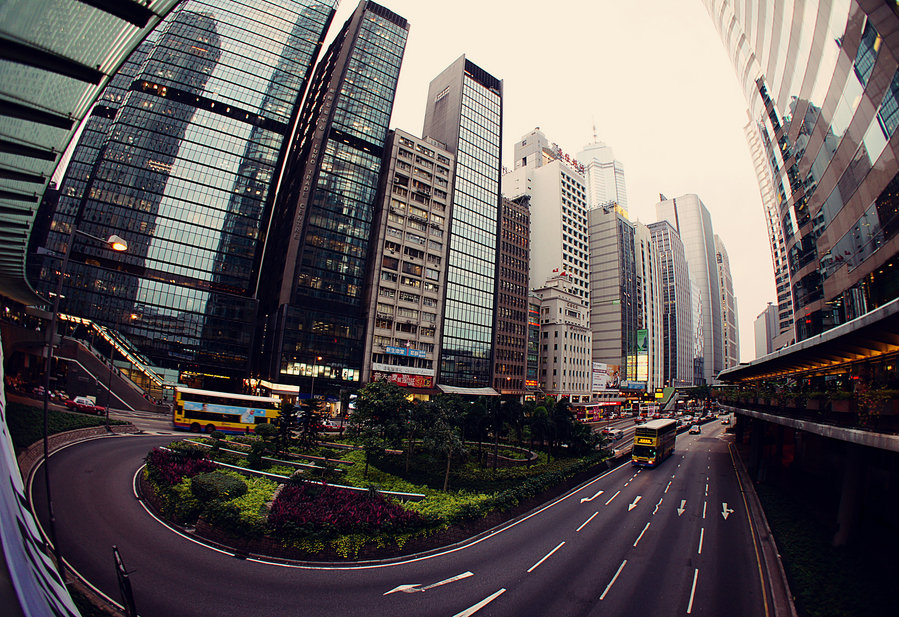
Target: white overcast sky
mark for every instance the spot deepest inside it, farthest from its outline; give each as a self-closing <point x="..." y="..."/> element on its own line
<point x="654" y="77"/>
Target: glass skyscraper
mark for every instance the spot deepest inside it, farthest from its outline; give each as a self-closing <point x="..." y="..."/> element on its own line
<point x="464" y="111"/>
<point x="180" y="158"/>
<point x="313" y="307"/>
<point x="822" y="86"/>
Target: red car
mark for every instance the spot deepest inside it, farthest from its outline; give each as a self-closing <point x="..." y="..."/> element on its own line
<point x="85" y="405"/>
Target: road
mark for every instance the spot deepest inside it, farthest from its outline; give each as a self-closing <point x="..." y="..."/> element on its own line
<point x="668" y="541"/>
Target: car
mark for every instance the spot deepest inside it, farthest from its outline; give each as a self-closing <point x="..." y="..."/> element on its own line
<point x="85" y="405"/>
<point x="695" y="430"/>
<point x="616" y="434"/>
<point x="725" y="420"/>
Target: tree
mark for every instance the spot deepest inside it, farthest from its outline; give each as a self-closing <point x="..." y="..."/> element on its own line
<point x="442" y="434"/>
<point x="378" y="422"/>
<point x="287" y="420"/>
<point x="310" y="422"/>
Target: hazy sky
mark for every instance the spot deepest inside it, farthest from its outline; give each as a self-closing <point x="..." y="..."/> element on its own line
<point x="652" y="75"/>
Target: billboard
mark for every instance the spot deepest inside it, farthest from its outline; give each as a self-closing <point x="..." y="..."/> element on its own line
<point x="605" y="376"/>
<point x="405" y="380"/>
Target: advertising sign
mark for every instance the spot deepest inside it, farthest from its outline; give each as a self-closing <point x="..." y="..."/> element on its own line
<point x="605" y="376"/>
<point x="405" y="380"/>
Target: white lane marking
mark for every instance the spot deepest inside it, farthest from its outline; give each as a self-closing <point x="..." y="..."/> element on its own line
<point x="474" y="609"/>
<point x="547" y="556"/>
<point x="417" y="586"/>
<point x="584" y="524"/>
<point x="667" y="487"/>
<point x="612" y="582"/>
<point x="586" y="499"/>
<point x="613" y="497"/>
<point x="693" y="591"/>
<point x="701" y="536"/>
<point x="706" y="490"/>
<point x="631" y="506"/>
<point x="626" y="483"/>
<point x="725" y="511"/>
<point x="641" y="534"/>
<point x="704" y="504"/>
<point x="657" y="507"/>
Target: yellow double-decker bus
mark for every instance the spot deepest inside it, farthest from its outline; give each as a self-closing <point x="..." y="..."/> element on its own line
<point x="653" y="442"/>
<point x="207" y="411"/>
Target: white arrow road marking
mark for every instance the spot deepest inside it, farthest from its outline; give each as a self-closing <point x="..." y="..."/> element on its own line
<point x="725" y="511"/>
<point x="680" y="510"/>
<point x="634" y="505"/>
<point x="474" y="609"/>
<point x="613" y="497"/>
<point x="416" y="587"/>
<point x="586" y="499"/>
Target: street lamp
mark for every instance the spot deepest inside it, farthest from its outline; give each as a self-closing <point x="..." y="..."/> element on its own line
<point x="312" y="388"/>
<point x="116" y="243"/>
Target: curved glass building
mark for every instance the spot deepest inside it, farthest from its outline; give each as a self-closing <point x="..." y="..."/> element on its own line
<point x="181" y="159"/>
<point x="822" y="85"/>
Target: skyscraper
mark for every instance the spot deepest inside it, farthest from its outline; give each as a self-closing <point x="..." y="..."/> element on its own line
<point x="677" y="302"/>
<point x="729" y="329"/>
<point x="313" y="307"/>
<point x="183" y="164"/>
<point x="464" y="111"/>
<point x="822" y="87"/>
<point x="605" y="176"/>
<point x="693" y="223"/>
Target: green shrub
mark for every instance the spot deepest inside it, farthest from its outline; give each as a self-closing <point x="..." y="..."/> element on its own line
<point x="217" y="485"/>
<point x="266" y="431"/>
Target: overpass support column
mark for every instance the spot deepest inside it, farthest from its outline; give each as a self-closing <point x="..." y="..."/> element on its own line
<point x="757" y="447"/>
<point x="851" y="493"/>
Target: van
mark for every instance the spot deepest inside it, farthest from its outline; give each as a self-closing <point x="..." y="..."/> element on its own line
<point x="616" y="434"/>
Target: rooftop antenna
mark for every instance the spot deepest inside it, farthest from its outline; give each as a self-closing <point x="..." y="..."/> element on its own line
<point x="594" y="131"/>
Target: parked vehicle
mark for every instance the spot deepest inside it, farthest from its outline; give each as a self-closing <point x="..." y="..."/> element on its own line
<point x="85" y="405"/>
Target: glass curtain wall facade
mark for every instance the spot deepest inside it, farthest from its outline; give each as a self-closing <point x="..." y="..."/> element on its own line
<point x="464" y="111"/>
<point x="822" y="86"/>
<point x="317" y="263"/>
<point x="182" y="163"/>
<point x="729" y="327"/>
<point x="689" y="216"/>
<point x="677" y="301"/>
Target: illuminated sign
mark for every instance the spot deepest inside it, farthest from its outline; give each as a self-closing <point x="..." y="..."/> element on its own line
<point x="646" y="441"/>
<point x="401" y="379"/>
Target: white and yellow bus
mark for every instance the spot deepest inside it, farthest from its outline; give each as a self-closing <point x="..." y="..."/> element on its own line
<point x="207" y="411"/>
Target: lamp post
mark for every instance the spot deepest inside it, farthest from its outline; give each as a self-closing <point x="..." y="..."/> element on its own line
<point x="116" y="243"/>
<point x="312" y="387"/>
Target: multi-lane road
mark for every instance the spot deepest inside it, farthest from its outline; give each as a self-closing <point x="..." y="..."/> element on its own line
<point x="674" y="540"/>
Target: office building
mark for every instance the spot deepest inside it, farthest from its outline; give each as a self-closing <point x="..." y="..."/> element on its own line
<point x="464" y="111"/>
<point x="317" y="264"/>
<point x="605" y="176"/>
<point x="729" y="326"/>
<point x="822" y="88"/>
<point x="405" y="298"/>
<point x="182" y="162"/>
<point x="766" y="328"/>
<point x="626" y="318"/>
<point x="512" y="307"/>
<point x="693" y="223"/>
<point x="566" y="370"/>
<point x="558" y="198"/>
<point x="677" y="306"/>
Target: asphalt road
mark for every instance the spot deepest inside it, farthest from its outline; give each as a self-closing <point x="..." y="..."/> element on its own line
<point x="668" y="541"/>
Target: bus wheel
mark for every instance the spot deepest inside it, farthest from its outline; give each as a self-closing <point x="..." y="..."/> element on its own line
<point x="194" y="428"/>
<point x="210" y="429"/>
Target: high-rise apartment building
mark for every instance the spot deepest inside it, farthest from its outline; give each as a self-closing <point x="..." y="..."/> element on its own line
<point x="693" y="223"/>
<point x="180" y="158"/>
<point x="765" y="330"/>
<point x="605" y="176"/>
<point x="558" y="198"/>
<point x="822" y="87"/>
<point x="464" y="111"/>
<point x="626" y="318"/>
<point x="566" y="369"/>
<point x="405" y="298"/>
<point x="677" y="306"/>
<point x="729" y="323"/>
<point x="512" y="306"/>
<point x="313" y="306"/>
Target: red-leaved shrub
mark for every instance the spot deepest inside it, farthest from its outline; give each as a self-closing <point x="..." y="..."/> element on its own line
<point x="169" y="468"/>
